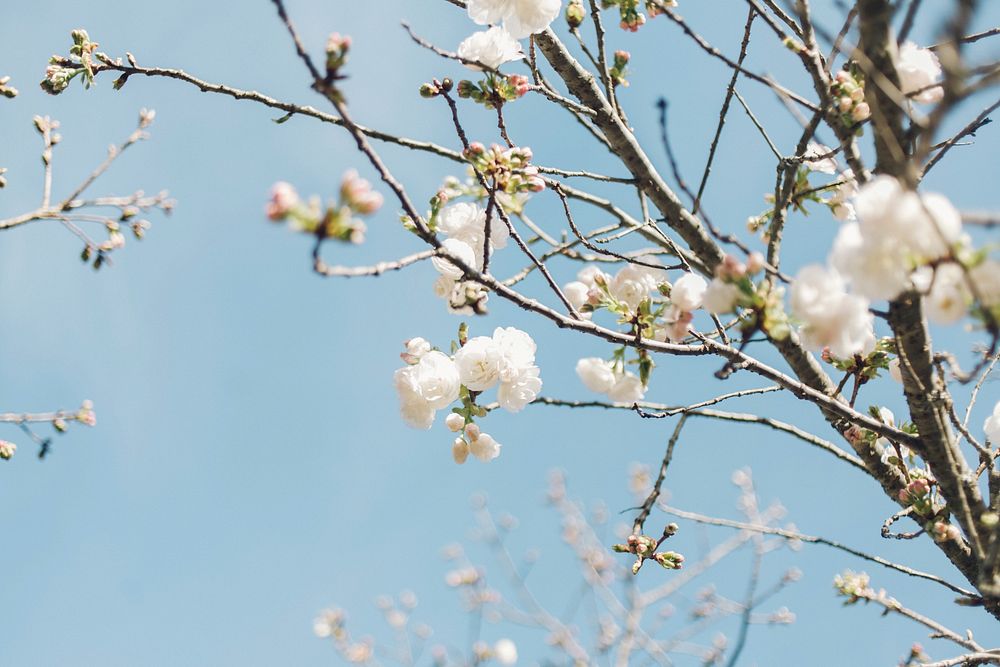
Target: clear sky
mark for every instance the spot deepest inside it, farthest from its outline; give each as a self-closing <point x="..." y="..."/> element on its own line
<point x="249" y="467"/>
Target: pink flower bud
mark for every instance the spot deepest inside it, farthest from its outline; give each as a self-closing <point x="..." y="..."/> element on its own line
<point x="283" y="199"/>
<point x="459" y="452"/>
<point x="861" y="112"/>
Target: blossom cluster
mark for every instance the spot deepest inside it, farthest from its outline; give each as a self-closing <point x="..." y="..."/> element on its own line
<point x="632" y="17"/>
<point x="895" y="240"/>
<point x="611" y="379"/>
<point x="61" y="71"/>
<point x="509" y="169"/>
<point x="645" y="548"/>
<point x="831" y="317"/>
<point x="339" y="221"/>
<point x="491" y="48"/>
<point x="848" y="89"/>
<point x="641" y="295"/>
<point x="464" y="226"/>
<point x="433" y="380"/>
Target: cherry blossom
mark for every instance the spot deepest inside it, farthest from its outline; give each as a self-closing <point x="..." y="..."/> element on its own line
<point x="947" y="301"/>
<point x="633" y="283"/>
<point x="505" y="652"/>
<point x="520" y="17"/>
<point x="485" y="447"/>
<point x="897" y="230"/>
<point x="459" y="249"/>
<point x="992" y="425"/>
<point x="919" y="68"/>
<point x="596" y="374"/>
<point x="492" y="48"/>
<point x="814" y="160"/>
<point x="831" y="317"/>
<point x="687" y="292"/>
<point x="467" y="223"/>
<point x="720" y="296"/>
<point x="627" y="389"/>
<point x="480" y="362"/>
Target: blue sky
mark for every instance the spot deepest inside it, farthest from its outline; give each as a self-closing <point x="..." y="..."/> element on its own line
<point x="249" y="467"/>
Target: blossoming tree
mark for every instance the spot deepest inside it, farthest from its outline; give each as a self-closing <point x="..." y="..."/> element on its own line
<point x="664" y="279"/>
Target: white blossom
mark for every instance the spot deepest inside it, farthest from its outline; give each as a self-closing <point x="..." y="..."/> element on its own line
<point x="826" y="165"/>
<point x="505" y="651"/>
<point x="492" y="48"/>
<point x="520" y="389"/>
<point x="986" y="277"/>
<point x="946" y="303"/>
<point x="840" y="200"/>
<point x="485" y="12"/>
<point x="479" y="362"/>
<point x="520" y="17"/>
<point x="687" y="293"/>
<point x="877" y="269"/>
<point x="992" y="425"/>
<point x="627" y="389"/>
<point x="590" y="275"/>
<point x="413" y="407"/>
<point x="897" y="230"/>
<point x="467" y="223"/>
<point x="720" y="297"/>
<point x="485" y="448"/>
<point x="895" y="372"/>
<point x="633" y="283"/>
<point x="596" y="374"/>
<point x="830" y="316"/>
<point x="882" y="444"/>
<point x="459" y="249"/>
<point x="425" y="387"/>
<point x="578" y="294"/>
<point x="517" y="349"/>
<point x="917" y="69"/>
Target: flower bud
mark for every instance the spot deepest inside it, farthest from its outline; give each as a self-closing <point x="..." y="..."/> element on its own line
<point x="337" y="47"/>
<point x="861" y="112"/>
<point x="460" y="451"/>
<point x="415" y="349"/>
<point x="793" y="45"/>
<point x="466" y="89"/>
<point x="455" y="422"/>
<point x="472" y="431"/>
<point x="575" y="13"/>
